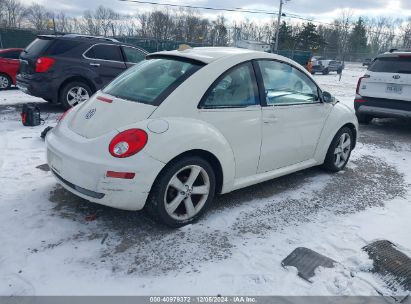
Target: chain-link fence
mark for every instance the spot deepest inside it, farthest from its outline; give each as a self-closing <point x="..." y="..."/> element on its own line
<point x="16" y="38"/>
<point x="11" y="38"/>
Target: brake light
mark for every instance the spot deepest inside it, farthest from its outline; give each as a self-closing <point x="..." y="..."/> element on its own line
<point x="64" y="115"/>
<point x="43" y="64"/>
<point x="128" y="143"/>
<point x="357" y="91"/>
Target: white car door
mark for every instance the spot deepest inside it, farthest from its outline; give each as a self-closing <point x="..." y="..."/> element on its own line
<point x="232" y="105"/>
<point x="293" y="117"/>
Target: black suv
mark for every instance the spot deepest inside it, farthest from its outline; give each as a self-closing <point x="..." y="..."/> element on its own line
<point x="68" y="69"/>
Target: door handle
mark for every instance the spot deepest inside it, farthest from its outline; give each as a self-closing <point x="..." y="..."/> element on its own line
<point x="95" y="64"/>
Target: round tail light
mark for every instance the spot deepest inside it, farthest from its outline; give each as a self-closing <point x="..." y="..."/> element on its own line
<point x="128" y="143"/>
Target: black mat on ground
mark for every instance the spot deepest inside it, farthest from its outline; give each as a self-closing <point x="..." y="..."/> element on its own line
<point x="393" y="265"/>
<point x="307" y="261"/>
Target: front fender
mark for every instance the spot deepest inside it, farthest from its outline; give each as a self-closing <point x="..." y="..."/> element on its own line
<point x="184" y="134"/>
<point x="340" y="116"/>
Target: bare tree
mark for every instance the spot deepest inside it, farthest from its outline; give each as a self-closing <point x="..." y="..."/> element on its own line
<point x="12" y="13"/>
<point x="39" y="17"/>
<point x="406" y="33"/>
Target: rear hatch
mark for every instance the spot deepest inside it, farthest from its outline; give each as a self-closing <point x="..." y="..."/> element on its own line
<point x="133" y="96"/>
<point x="103" y="113"/>
<point x="31" y="53"/>
<point x="389" y="78"/>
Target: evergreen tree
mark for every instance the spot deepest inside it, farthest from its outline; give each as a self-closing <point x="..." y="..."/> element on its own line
<point x="285" y="39"/>
<point x="358" y="38"/>
<point x="308" y="38"/>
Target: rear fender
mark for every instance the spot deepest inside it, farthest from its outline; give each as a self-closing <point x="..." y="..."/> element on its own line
<point x="184" y="134"/>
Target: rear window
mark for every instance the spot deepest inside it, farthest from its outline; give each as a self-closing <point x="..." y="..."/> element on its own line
<point x="391" y="65"/>
<point x="37" y="47"/>
<point x="152" y="80"/>
<point x="61" y="47"/>
<point x="105" y="52"/>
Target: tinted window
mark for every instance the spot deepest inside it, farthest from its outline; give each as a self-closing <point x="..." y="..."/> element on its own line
<point x="236" y="88"/>
<point x="105" y="52"/>
<point x="60" y="47"/>
<point x="285" y="84"/>
<point x="133" y="55"/>
<point x="148" y="80"/>
<point x="392" y="65"/>
<point x="37" y="47"/>
<point x="10" y="54"/>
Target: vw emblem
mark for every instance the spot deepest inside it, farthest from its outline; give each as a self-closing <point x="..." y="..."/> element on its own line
<point x="90" y="113"/>
<point x="396" y="76"/>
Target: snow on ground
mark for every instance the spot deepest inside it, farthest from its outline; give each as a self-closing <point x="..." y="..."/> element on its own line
<point x="48" y="247"/>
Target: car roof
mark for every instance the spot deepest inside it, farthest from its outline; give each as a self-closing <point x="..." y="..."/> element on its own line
<point x="79" y="37"/>
<point x="395" y="53"/>
<point x="207" y="54"/>
<point x="91" y="39"/>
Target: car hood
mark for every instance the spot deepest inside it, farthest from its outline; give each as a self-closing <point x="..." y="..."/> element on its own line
<point x="103" y="113"/>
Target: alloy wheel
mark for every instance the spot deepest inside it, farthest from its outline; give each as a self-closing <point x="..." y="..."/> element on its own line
<point x="187" y="192"/>
<point x="4" y="82"/>
<point x="77" y="95"/>
<point x="342" y="150"/>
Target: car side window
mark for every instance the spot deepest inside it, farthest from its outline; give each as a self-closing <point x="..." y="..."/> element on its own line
<point x="235" y="88"/>
<point x="133" y="55"/>
<point x="105" y="52"/>
<point x="286" y="85"/>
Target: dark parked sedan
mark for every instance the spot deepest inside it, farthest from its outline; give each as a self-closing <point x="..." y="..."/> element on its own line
<point x="68" y="69"/>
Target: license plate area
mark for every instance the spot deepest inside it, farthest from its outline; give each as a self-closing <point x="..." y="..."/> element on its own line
<point x="394" y="89"/>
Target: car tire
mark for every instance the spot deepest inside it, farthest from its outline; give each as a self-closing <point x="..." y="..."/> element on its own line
<point x="74" y="93"/>
<point x="5" y="82"/>
<point x="364" y="119"/>
<point x="326" y="71"/>
<point x="339" y="151"/>
<point x="175" y="184"/>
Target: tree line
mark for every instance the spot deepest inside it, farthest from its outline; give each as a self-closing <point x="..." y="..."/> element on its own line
<point x="344" y="38"/>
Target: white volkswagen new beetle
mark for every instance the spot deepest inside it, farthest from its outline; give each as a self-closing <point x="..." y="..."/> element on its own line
<point x="182" y="126"/>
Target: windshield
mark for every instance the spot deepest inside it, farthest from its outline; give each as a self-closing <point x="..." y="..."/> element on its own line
<point x="392" y="65"/>
<point x="152" y="80"/>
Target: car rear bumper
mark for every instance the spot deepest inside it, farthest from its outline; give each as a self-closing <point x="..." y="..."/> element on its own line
<point x="384" y="112"/>
<point x="317" y="69"/>
<point x="79" y="168"/>
<point x="383" y="108"/>
<point x="37" y="85"/>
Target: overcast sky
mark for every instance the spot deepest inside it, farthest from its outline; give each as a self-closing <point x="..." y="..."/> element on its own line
<point x="324" y="10"/>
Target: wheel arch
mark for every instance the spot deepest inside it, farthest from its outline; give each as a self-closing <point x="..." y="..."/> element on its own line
<point x="206" y="155"/>
<point x="339" y="118"/>
<point x="354" y="132"/>
<point x="76" y="78"/>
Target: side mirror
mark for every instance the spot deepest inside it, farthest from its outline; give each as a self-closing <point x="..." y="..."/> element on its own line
<point x="328" y="98"/>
